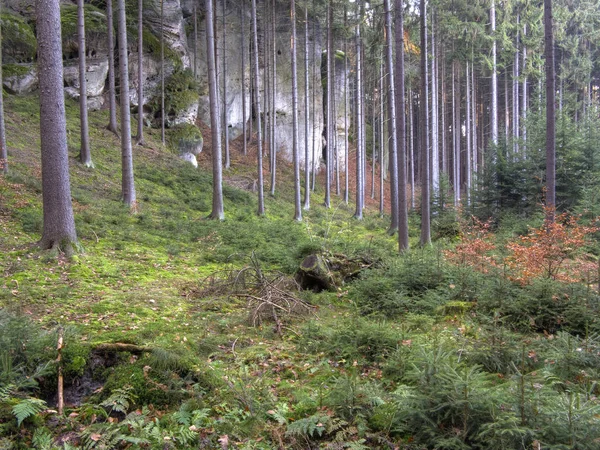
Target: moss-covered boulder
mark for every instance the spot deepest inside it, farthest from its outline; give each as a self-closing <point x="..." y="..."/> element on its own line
<point x="181" y="99"/>
<point x="185" y="138"/>
<point x="19" y="44"/>
<point x="96" y="40"/>
<point x="20" y="78"/>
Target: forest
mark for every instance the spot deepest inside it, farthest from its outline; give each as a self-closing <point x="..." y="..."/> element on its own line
<point x="300" y="224"/>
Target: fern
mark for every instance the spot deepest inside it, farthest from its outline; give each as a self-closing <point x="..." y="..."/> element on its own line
<point x="26" y="408"/>
<point x="42" y="439"/>
<point x="119" y="400"/>
<point x="309" y="426"/>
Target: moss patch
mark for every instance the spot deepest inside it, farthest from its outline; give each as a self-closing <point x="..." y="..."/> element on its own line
<point x="18" y="40"/>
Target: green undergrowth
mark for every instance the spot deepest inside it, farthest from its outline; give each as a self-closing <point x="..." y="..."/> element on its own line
<point x="177" y="334"/>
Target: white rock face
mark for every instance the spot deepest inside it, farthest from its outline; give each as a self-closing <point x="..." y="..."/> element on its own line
<point x="283" y="100"/>
<point x="22" y="84"/>
<point x="96" y="71"/>
<point x="188" y="115"/>
<point x="189" y="157"/>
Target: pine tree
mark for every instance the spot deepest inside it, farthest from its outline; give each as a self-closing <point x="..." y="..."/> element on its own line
<point x="215" y="125"/>
<point x="59" y="223"/>
<point x="127" y="180"/>
<point x="112" y="100"/>
<point x="85" y="155"/>
<point x="140" y="128"/>
<point x="550" y="113"/>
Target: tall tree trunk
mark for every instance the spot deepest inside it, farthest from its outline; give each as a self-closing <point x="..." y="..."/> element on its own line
<point x="261" y="199"/>
<point x="243" y="77"/>
<point x="306" y="114"/>
<point x="494" y="106"/>
<point x="456" y="131"/>
<point x="85" y="155"/>
<point x="424" y="128"/>
<point x="274" y="87"/>
<point x="411" y="145"/>
<point x="392" y="105"/>
<point x="196" y="41"/>
<point x="215" y="117"/>
<point x="515" y="108"/>
<point x="140" y="128"/>
<point x="162" y="71"/>
<point x="403" y="242"/>
<point x="329" y="139"/>
<point x="550" y="113"/>
<point x="435" y="152"/>
<point x="112" y="100"/>
<point x="358" y="214"/>
<point x="127" y="180"/>
<point x="295" y="150"/>
<point x="224" y="76"/>
<point x="381" y="138"/>
<point x="524" y="94"/>
<point x="474" y="117"/>
<point x="468" y="135"/>
<point x="346" y="108"/>
<point x="59" y="224"/>
<point x="3" y="149"/>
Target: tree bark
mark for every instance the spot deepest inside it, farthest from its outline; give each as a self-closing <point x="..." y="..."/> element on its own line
<point x="215" y="118"/>
<point x="435" y="151"/>
<point x="403" y="242"/>
<point x="140" y="128"/>
<point x="550" y="114"/>
<point x="295" y="150"/>
<point x="358" y="214"/>
<point x="273" y="115"/>
<point x="127" y="180"/>
<point x="162" y="71"/>
<point x="424" y="128"/>
<point x="306" y="114"/>
<point x="329" y="126"/>
<point x="243" y="78"/>
<point x="494" y="105"/>
<point x="112" y="101"/>
<point x="3" y="149"/>
<point x="59" y="224"/>
<point x="225" y="113"/>
<point x="85" y="155"/>
<point x="261" y="201"/>
<point x="392" y="104"/>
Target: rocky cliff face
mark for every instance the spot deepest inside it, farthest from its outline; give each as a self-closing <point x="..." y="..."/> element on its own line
<point x="192" y="98"/>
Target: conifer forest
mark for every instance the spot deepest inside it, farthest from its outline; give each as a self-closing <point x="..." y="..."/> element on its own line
<point x="300" y="224"/>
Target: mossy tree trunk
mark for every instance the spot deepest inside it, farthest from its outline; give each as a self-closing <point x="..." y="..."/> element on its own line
<point x="215" y="126"/>
<point x="59" y="224"/>
<point x="127" y="180"/>
<point x="85" y="155"/>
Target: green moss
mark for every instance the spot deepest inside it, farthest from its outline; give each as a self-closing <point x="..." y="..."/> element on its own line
<point x="181" y="91"/>
<point x="15" y="70"/>
<point x="184" y="138"/>
<point x="95" y="21"/>
<point x="18" y="39"/>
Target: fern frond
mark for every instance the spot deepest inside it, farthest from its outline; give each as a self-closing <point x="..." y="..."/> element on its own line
<point x="27" y="407"/>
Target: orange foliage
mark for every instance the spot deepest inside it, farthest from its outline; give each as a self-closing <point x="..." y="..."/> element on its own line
<point x="552" y="251"/>
<point x="474" y="249"/>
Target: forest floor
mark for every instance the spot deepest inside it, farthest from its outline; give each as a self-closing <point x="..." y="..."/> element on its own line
<point x="183" y="332"/>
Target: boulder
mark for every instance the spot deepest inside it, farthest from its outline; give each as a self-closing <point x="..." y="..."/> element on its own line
<point x="21" y="78"/>
<point x="189" y="157"/>
<point x="96" y="72"/>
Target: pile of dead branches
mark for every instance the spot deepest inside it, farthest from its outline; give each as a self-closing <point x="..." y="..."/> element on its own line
<point x="271" y="297"/>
